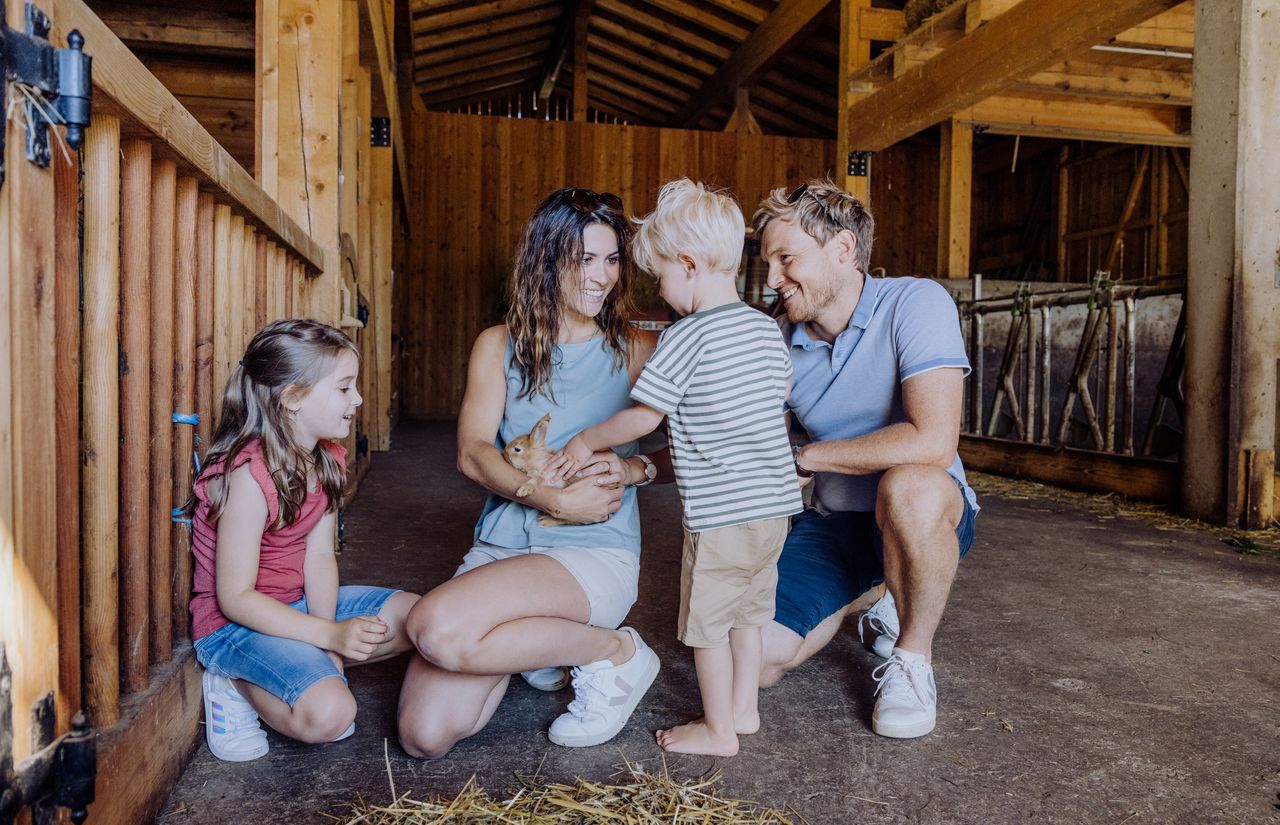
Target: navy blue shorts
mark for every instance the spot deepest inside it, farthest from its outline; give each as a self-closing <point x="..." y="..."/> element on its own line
<point x="828" y="561"/>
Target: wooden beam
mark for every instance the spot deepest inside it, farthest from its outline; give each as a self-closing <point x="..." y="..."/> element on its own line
<point x="576" y="14"/>
<point x="194" y="31"/>
<point x="788" y="22"/>
<point x="480" y="61"/>
<point x="1146" y="479"/>
<point x="641" y="41"/>
<point x="855" y="52"/>
<point x="1174" y="29"/>
<point x="677" y="33"/>
<point x="581" y="85"/>
<point x="624" y="53"/>
<point x="741" y="120"/>
<point x="1108" y="82"/>
<point x="382" y="44"/>
<point x="426" y="38"/>
<point x="479" y="88"/>
<point x="1028" y="38"/>
<point x="955" y="199"/>
<point x="467" y="51"/>
<point x="436" y="83"/>
<point x="470" y="13"/>
<point x="1077" y="120"/>
<point x="122" y="79"/>
<point x="880" y="24"/>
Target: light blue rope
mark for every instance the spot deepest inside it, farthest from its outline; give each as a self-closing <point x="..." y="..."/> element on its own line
<point x="194" y="420"/>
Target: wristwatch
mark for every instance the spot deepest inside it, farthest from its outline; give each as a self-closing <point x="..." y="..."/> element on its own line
<point x="650" y="471"/>
<point x="800" y="471"/>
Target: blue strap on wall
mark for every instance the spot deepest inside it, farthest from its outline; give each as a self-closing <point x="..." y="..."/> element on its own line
<point x="193" y="419"/>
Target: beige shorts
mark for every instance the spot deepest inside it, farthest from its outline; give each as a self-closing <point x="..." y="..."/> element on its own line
<point x="727" y="579"/>
<point x="610" y="577"/>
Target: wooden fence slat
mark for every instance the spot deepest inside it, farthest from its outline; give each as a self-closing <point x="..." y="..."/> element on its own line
<point x="381" y="208"/>
<point x="204" y="302"/>
<point x="260" y="283"/>
<point x="163" y="204"/>
<point x="66" y="173"/>
<point x="100" y="359"/>
<point x="222" y="358"/>
<point x="234" y="308"/>
<point x="184" y="392"/>
<point x="135" y="409"/>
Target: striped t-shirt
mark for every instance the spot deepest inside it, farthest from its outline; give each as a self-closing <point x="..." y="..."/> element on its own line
<point x="720" y="376"/>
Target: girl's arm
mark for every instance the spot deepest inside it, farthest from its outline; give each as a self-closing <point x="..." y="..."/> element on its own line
<point x="587" y="501"/>
<point x="236" y="560"/>
<point x="320" y="569"/>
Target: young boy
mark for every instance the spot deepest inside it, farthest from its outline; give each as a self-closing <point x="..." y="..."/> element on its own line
<point x="720" y="376"/>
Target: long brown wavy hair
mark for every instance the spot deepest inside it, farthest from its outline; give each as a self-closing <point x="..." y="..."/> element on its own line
<point x="293" y="355"/>
<point x="551" y="249"/>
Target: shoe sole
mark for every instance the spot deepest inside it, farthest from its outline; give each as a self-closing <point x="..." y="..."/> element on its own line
<point x="911" y="731"/>
<point x="642" y="687"/>
<point x="233" y="756"/>
<point x="548" y="687"/>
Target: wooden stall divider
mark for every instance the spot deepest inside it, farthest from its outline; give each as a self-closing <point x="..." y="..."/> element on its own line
<point x="163" y="204"/>
<point x="381" y="207"/>
<point x="222" y="358"/>
<point x="184" y="370"/>
<point x="99" y="480"/>
<point x="135" y="409"/>
<point x="66" y="175"/>
<point x="261" y="312"/>
<point x="204" y="303"/>
<point x="234" y="308"/>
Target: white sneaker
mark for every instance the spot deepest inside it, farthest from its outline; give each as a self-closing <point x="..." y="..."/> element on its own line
<point x="346" y="734"/>
<point x="907" y="703"/>
<point x="549" y="679"/>
<point x="881" y="619"/>
<point x="604" y="697"/>
<point x="230" y="723"/>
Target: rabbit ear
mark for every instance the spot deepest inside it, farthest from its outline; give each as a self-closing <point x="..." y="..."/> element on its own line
<point x="539" y="432"/>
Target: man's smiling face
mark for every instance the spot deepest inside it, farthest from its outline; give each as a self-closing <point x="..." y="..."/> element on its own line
<point x="800" y="270"/>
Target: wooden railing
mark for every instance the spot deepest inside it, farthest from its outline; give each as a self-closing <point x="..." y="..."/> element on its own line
<point x="183" y="257"/>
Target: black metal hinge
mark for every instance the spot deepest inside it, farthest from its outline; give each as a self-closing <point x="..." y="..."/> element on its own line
<point x="380" y="131"/>
<point x="56" y="84"/>
<point x="60" y="773"/>
<point x="859" y="164"/>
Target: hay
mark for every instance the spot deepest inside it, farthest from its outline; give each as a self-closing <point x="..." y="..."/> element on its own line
<point x="636" y="797"/>
<point x="1111" y="506"/>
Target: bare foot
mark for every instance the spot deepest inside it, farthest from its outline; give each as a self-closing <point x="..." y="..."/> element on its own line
<point x="745" y="724"/>
<point x="696" y="737"/>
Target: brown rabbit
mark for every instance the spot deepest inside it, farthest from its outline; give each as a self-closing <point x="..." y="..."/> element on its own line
<point x="529" y="454"/>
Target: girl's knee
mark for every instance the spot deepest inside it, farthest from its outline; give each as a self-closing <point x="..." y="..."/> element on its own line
<point x="324" y="711"/>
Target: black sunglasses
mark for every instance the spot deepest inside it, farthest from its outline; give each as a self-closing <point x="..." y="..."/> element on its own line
<point x="798" y="193"/>
<point x="584" y="200"/>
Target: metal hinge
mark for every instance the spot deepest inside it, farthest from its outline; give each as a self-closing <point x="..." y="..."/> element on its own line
<point x="859" y="164"/>
<point x="380" y="131"/>
<point x="55" y="84"/>
<point x="60" y="773"/>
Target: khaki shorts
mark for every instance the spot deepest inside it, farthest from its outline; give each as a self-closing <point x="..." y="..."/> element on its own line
<point x="610" y="577"/>
<point x="727" y="579"/>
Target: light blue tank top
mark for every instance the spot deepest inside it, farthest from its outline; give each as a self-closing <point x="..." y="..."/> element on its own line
<point x="588" y="388"/>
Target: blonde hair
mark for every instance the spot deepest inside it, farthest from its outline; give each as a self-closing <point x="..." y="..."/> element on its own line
<point x="291" y="354"/>
<point x="823" y="210"/>
<point x="691" y="218"/>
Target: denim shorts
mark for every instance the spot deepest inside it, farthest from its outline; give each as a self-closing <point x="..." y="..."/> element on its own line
<point x="829" y="561"/>
<point x="280" y="666"/>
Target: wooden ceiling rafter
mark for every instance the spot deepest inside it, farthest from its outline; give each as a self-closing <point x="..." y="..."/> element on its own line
<point x="661" y="24"/>
<point x="622" y="51"/>
<point x="707" y="18"/>
<point x="605" y="97"/>
<point x="478" y="91"/>
<point x="473" y="12"/>
<point x="425" y="37"/>
<point x="561" y="47"/>
<point x="523" y="65"/>
<point x="653" y="100"/>
<point x="487" y="46"/>
<point x="480" y="61"/>
<point x="641" y="41"/>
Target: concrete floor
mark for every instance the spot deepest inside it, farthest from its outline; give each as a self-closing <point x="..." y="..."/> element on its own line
<point x="1089" y="671"/>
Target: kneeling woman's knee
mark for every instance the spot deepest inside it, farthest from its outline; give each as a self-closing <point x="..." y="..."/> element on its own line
<point x="324" y="711"/>
<point x="439" y="633"/>
<point x="424" y="740"/>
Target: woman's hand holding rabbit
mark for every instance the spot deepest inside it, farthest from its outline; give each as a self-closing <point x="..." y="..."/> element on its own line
<point x="587" y="502"/>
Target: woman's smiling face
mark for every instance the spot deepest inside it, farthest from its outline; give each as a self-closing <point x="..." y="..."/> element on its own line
<point x="583" y="292"/>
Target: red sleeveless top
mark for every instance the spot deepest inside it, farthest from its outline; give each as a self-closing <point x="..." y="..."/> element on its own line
<point x="281" y="554"/>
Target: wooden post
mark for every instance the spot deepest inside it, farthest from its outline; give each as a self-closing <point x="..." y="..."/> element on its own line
<point x="1233" y="286"/>
<point x="100" y="478"/>
<point x="205" y="301"/>
<point x="66" y="172"/>
<point x="260" y="316"/>
<point x="955" y="198"/>
<point x="183" y="360"/>
<point x="855" y="52"/>
<point x="581" y="24"/>
<point x="381" y="206"/>
<point x="164" y="182"/>
<point x="135" y="411"/>
<point x="222" y="344"/>
<point x="1064" y="205"/>
<point x="237" y="280"/>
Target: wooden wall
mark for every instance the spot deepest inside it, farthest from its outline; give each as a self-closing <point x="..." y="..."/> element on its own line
<point x="476" y="179"/>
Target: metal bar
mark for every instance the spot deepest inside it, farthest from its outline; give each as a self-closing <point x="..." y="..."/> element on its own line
<point x="979" y="365"/>
<point x="1031" y="363"/>
<point x="1130" y="369"/>
<point x="1045" y="351"/>
<point x="1113" y="364"/>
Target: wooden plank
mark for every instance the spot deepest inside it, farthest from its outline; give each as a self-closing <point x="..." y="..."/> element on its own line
<point x="184" y="364"/>
<point x="267" y="80"/>
<point x="135" y="412"/>
<point x="562" y="43"/>
<point x="1145" y="479"/>
<point x="209" y="78"/>
<point x="100" y="475"/>
<point x="581" y="86"/>
<point x="788" y="22"/>
<point x="205" y="301"/>
<point x="855" y="52"/>
<point x="1105" y="82"/>
<point x="1130" y="203"/>
<point x="465" y="13"/>
<point x="955" y="199"/>
<point x="122" y="79"/>
<point x="142" y="757"/>
<point x="28" y="517"/>
<point x="163" y="265"/>
<point x="66" y="171"/>
<point x="382" y="43"/>
<point x="364" y="268"/>
<point x="643" y="42"/>
<point x="426" y="38"/>
<point x="1077" y="120"/>
<point x="222" y="291"/>
<point x="1026" y="39"/>
<point x="880" y="24"/>
<point x="676" y="33"/>
<point x="698" y="14"/>
<point x="380" y="197"/>
<point x="531" y="38"/>
<point x="1174" y="29"/>
<point x="195" y="30"/>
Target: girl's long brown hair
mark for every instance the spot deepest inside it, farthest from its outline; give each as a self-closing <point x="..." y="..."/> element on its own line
<point x="293" y="355"/>
<point x="551" y="248"/>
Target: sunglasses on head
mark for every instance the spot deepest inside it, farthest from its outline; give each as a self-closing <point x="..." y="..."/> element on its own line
<point x="584" y="200"/>
<point x="798" y="193"/>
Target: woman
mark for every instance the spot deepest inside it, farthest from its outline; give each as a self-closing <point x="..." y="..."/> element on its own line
<point x="529" y="598"/>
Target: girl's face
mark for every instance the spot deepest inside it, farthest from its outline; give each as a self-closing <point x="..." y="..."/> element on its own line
<point x="326" y="409"/>
<point x="583" y="292"/>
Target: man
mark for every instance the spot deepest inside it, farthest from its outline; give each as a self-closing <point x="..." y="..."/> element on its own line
<point x="878" y="386"/>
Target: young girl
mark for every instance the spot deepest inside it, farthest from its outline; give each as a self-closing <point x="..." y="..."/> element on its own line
<point x="271" y="625"/>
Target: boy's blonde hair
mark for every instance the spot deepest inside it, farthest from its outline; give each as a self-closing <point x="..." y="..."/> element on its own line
<point x="693" y="219"/>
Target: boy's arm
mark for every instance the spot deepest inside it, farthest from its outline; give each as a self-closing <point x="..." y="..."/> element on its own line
<point x="626" y="425"/>
<point x="236" y="561"/>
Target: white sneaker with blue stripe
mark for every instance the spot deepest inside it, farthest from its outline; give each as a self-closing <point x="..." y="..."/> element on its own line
<point x="230" y="723"/>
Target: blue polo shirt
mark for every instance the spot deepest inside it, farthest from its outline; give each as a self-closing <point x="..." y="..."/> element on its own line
<point x="900" y="328"/>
